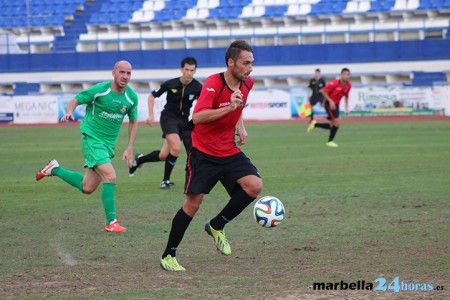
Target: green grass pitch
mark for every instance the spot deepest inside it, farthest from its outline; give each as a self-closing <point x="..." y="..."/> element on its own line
<point x="376" y="206"/>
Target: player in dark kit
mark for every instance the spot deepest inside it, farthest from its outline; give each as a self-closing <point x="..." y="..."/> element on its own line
<point x="333" y="94"/>
<point x="316" y="84"/>
<point x="181" y="93"/>
<point x="215" y="156"/>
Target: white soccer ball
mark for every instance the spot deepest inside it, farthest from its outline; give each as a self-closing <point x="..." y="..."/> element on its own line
<point x="268" y="211"/>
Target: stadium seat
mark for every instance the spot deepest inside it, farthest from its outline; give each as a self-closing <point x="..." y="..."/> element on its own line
<point x="259" y="11"/>
<point x="364" y="6"/>
<point x="305" y="9"/>
<point x="293" y="10"/>
<point x="400" y="5"/>
<point x="159" y="5"/>
<point x="413" y="4"/>
<point x="203" y="13"/>
<point x="352" y="7"/>
<point x="425" y="4"/>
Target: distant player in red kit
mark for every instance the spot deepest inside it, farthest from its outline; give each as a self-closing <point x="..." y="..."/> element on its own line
<point x="215" y="156"/>
<point x="333" y="93"/>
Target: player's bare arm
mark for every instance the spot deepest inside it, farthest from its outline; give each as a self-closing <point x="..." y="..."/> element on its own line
<point x="210" y="115"/>
<point x="71" y="105"/>
<point x="151" y="116"/>
<point x="128" y="153"/>
<point x="241" y="132"/>
<point x="346" y="105"/>
<point x="327" y="97"/>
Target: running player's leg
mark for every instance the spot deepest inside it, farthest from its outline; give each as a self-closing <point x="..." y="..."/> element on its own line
<point x="312" y="102"/>
<point x="246" y="190"/>
<point x="181" y="221"/>
<point x="174" y="142"/>
<point x="335" y="123"/>
<point x="201" y="176"/>
<point x="53" y="168"/>
<point x="243" y="184"/>
<point x="329" y="117"/>
<point x="108" y="177"/>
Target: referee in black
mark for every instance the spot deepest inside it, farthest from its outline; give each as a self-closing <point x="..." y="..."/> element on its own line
<point x="314" y="95"/>
<point x="181" y="93"/>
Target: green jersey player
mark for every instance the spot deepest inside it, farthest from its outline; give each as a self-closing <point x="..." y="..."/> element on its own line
<point x="107" y="104"/>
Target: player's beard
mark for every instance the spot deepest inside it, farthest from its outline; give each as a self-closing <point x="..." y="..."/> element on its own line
<point x="240" y="77"/>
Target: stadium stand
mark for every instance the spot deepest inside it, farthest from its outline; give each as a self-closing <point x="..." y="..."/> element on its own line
<point x="68" y="35"/>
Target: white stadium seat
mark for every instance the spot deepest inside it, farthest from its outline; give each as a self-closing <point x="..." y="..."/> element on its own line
<point x="148" y="5"/>
<point x="293" y="10"/>
<point x="203" y="13"/>
<point x="399" y="5"/>
<point x="213" y="3"/>
<point x="202" y="3"/>
<point x="413" y="4"/>
<point x="305" y="9"/>
<point x="247" y="12"/>
<point x="352" y="7"/>
<point x="159" y="5"/>
<point x="364" y="6"/>
<point x="259" y="11"/>
<point x="191" y="13"/>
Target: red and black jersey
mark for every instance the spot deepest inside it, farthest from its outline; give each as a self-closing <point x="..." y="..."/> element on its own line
<point x="217" y="138"/>
<point x="336" y="90"/>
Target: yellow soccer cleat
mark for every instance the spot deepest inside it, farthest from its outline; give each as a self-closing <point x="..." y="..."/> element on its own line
<point x="171" y="264"/>
<point x="332" y="144"/>
<point x="311" y="126"/>
<point x="219" y="238"/>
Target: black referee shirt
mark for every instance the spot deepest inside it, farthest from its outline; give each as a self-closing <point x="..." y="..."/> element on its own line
<point x="179" y="96"/>
<point x="316" y="86"/>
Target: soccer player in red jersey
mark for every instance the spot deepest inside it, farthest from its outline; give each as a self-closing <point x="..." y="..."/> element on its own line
<point x="215" y="155"/>
<point x="333" y="93"/>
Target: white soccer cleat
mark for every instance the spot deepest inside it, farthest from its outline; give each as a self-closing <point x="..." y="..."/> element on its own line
<point x="47" y="170"/>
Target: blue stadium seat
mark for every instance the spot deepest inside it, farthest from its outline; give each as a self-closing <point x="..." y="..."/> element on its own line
<point x="388" y="5"/>
<point x="438" y="4"/>
<point x="275" y="11"/>
<point x="162" y="16"/>
<point x="37" y="21"/>
<point x="57" y="20"/>
<point x="425" y="4"/>
<point x="317" y="9"/>
<point x="375" y="6"/>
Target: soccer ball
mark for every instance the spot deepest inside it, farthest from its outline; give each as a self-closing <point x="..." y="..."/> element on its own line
<point x="268" y="211"/>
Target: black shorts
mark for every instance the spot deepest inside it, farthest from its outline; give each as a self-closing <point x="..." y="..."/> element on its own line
<point x="332" y="114"/>
<point x="203" y="171"/>
<point x="316" y="99"/>
<point x="171" y="123"/>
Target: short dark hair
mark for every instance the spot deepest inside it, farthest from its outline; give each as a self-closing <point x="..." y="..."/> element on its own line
<point x="235" y="49"/>
<point x="189" y="60"/>
<point x="345" y="70"/>
<point x="318" y="70"/>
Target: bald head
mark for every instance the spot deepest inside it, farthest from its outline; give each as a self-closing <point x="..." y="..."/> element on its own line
<point x="122" y="63"/>
<point x="122" y="75"/>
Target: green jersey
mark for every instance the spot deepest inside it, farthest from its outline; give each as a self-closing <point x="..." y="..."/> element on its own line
<point x="105" y="111"/>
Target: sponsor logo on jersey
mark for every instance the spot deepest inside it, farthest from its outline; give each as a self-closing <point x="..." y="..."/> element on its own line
<point x="174" y="91"/>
